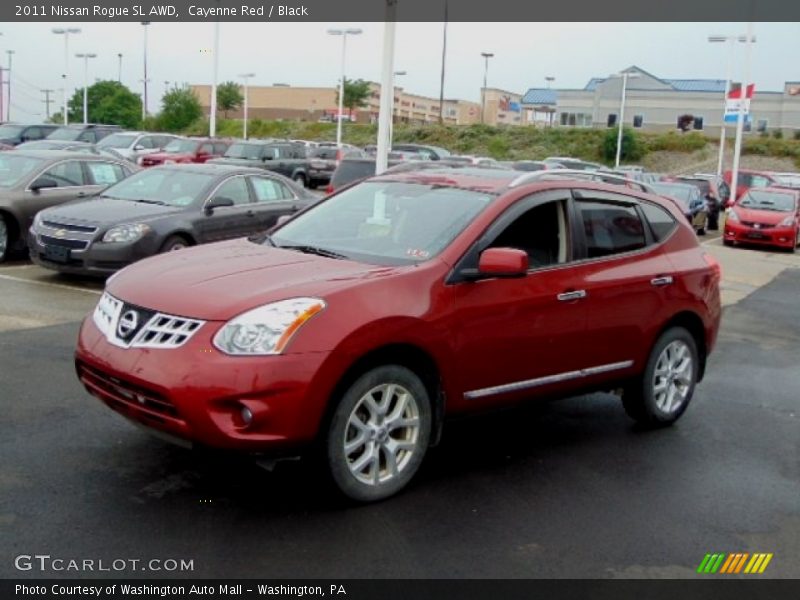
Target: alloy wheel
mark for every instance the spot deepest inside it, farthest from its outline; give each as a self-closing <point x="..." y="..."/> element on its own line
<point x="382" y="434"/>
<point x="673" y="376"/>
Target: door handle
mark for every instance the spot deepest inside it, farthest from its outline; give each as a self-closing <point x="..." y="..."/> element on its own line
<point x="661" y="281"/>
<point x="567" y="296"/>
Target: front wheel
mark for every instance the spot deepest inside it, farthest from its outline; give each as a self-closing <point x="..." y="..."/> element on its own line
<point x="379" y="433"/>
<point x="173" y="243"/>
<point x="662" y="393"/>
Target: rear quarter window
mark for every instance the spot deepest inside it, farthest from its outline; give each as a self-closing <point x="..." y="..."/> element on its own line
<point x="661" y="222"/>
<point x="347" y="172"/>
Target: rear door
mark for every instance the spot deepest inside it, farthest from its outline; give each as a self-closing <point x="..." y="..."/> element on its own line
<point x="228" y="222"/>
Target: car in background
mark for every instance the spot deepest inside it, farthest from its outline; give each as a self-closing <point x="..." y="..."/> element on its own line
<point x="323" y="160"/>
<point x="14" y="134"/>
<point x="790" y="180"/>
<point x="72" y="147"/>
<point x="749" y="178"/>
<point x="133" y="145"/>
<point x="690" y="200"/>
<point x="356" y="328"/>
<point x="765" y="216"/>
<point x="427" y="152"/>
<point x="351" y="170"/>
<point x="161" y="209"/>
<point x="307" y="143"/>
<point x="91" y="133"/>
<point x="566" y="162"/>
<point x="527" y="165"/>
<point x="284" y="157"/>
<point x="31" y="181"/>
<point x="407" y="155"/>
<point x="187" y="150"/>
<point x="468" y="159"/>
<point x="714" y="190"/>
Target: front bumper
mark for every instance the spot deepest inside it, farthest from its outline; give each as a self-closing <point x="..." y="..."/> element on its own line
<point x="783" y="237"/>
<point x="195" y="393"/>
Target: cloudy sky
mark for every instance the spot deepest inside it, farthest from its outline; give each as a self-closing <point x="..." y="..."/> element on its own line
<point x="301" y="54"/>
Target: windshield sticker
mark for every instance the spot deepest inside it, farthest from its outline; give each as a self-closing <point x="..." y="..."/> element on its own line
<point x="417" y="253"/>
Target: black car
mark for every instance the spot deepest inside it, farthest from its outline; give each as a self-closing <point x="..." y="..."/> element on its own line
<point x="324" y="160"/>
<point x="158" y="210"/>
<point x="689" y="199"/>
<point x="90" y="132"/>
<point x="13" y="134"/>
<point x="287" y="158"/>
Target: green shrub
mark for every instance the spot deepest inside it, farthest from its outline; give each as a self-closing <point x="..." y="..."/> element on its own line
<point x="631" y="148"/>
<point x="777" y="134"/>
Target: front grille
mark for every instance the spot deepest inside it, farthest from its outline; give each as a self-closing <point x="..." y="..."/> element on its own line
<point x="121" y="394"/>
<point x="69" y="227"/>
<point x="755" y="225"/>
<point x="130" y="326"/>
<point x="64" y="243"/>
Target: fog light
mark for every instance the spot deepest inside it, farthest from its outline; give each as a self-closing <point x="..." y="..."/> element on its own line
<point x="247" y="415"/>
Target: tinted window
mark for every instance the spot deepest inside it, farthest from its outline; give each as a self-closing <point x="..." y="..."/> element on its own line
<point x="269" y="190"/>
<point x="661" y="222"/>
<point x="206" y="149"/>
<point x="147" y="142"/>
<point x="14" y="168"/>
<point x="102" y="173"/>
<point x="161" y="186"/>
<point x="220" y="148"/>
<point x="540" y="232"/>
<point x="66" y="174"/>
<point x="349" y="171"/>
<point x="235" y="189"/>
<point x="34" y="133"/>
<point x="610" y="228"/>
<point x="247" y="151"/>
<point x="118" y="140"/>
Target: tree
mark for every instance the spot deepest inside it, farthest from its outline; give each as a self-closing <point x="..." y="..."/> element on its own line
<point x="108" y="102"/>
<point x="229" y="97"/>
<point x="631" y="148"/>
<point x="180" y="109"/>
<point x="356" y="93"/>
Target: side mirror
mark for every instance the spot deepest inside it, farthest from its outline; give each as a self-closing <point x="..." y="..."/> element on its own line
<point x="43" y="183"/>
<point x="503" y="262"/>
<point x="218" y="202"/>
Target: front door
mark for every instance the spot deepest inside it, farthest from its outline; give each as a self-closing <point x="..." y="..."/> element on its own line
<point x="228" y="222"/>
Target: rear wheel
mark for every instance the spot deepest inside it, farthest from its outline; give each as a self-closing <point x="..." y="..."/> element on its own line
<point x="300" y="179"/>
<point x="173" y="243"/>
<point x="662" y="393"/>
<point x="379" y="433"/>
<point x="5" y="238"/>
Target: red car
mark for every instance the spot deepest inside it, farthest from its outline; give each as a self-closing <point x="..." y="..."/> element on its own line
<point x="365" y="320"/>
<point x="749" y="179"/>
<point x="187" y="150"/>
<point x="766" y="216"/>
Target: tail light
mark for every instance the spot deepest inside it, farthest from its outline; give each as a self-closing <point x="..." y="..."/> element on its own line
<point x="715" y="266"/>
<point x="329" y="189"/>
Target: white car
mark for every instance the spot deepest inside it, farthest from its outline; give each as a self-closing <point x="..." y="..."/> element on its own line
<point x="135" y="144"/>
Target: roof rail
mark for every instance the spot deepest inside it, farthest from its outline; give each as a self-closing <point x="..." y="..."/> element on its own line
<point x="578" y="174"/>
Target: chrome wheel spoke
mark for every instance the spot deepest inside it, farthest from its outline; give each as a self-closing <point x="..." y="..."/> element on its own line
<point x="400" y="423"/>
<point x="367" y="458"/>
<point x="673" y="376"/>
<point x="360" y="440"/>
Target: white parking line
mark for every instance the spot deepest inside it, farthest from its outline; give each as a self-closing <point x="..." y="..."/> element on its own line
<point x="47" y="284"/>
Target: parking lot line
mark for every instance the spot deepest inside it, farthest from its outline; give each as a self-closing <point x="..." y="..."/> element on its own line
<point x="45" y="283"/>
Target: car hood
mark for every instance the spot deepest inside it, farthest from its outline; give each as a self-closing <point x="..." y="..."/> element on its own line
<point x="216" y="282"/>
<point x="101" y="212"/>
<point x="768" y="217"/>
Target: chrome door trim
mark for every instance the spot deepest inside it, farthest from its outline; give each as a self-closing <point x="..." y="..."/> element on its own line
<point x="574" y="295"/>
<point x="661" y="281"/>
<point x="548" y="379"/>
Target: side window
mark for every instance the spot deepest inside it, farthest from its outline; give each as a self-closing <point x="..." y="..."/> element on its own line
<point x="34" y="133"/>
<point x="270" y="151"/>
<point x="269" y="190"/>
<point x="759" y="181"/>
<point x="102" y="173"/>
<point x="541" y="232"/>
<point x="235" y="189"/>
<point x="220" y="148"/>
<point x="206" y="149"/>
<point x="66" y="174"/>
<point x="610" y="228"/>
<point x="88" y="136"/>
<point x="148" y="142"/>
<point x="661" y="222"/>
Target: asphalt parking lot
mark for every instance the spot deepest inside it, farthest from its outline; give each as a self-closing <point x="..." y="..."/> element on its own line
<point x="563" y="489"/>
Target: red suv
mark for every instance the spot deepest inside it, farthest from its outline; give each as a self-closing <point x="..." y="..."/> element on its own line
<point x="187" y="150"/>
<point x="364" y="321"/>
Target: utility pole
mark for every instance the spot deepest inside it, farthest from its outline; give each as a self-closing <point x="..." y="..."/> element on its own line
<point x="47" y="101"/>
<point x="444" y="57"/>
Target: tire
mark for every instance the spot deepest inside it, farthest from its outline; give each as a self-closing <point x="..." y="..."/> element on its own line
<point x="5" y="238"/>
<point x="299" y="179"/>
<point x="727" y="242"/>
<point x="667" y="368"/>
<point x="701" y="231"/>
<point x="313" y="184"/>
<point x="361" y="437"/>
<point x="173" y="243"/>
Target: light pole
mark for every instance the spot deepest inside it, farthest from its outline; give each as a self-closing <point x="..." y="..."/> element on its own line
<point x="246" y="77"/>
<point x="737" y="148"/>
<point x="391" y="122"/>
<point x="730" y="40"/>
<point x="625" y="76"/>
<point x="486" y="56"/>
<point x="145" y="79"/>
<point x="212" y="117"/>
<point x="8" y="108"/>
<point x="344" y="33"/>
<point x="444" y="57"/>
<point x="85" y="57"/>
<point x="65" y="32"/>
<point x="119" y="68"/>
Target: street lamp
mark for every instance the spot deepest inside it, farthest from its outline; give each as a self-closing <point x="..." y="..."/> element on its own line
<point x="8" y="108"/>
<point x="344" y="33"/>
<point x="145" y="79"/>
<point x="486" y="56"/>
<point x="144" y="106"/>
<point x="730" y="40"/>
<point x="119" y="68"/>
<point x="246" y="77"/>
<point x="85" y="58"/>
<point x="65" y="32"/>
<point x="625" y="76"/>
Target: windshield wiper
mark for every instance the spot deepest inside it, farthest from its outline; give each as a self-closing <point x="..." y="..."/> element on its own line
<point x="151" y="202"/>
<point x="315" y="250"/>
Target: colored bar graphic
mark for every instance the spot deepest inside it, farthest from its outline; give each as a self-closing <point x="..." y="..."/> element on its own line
<point x="718" y="563"/>
<point x="702" y="567"/>
<point x="754" y="563"/>
<point x="740" y="564"/>
<point x="734" y="563"/>
<point x="727" y="564"/>
<point x="765" y="563"/>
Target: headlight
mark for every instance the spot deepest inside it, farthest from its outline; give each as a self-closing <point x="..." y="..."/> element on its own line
<point x="732" y="216"/>
<point x="126" y="233"/>
<point x="787" y="222"/>
<point x="266" y="329"/>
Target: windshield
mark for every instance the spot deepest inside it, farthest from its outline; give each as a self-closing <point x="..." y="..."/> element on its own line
<point x="69" y="134"/>
<point x="171" y="187"/>
<point x="384" y="222"/>
<point x="328" y="153"/>
<point x="776" y="201"/>
<point x="181" y="147"/>
<point x="248" y="151"/>
<point x="10" y="131"/>
<point x="15" y="168"/>
<point x="117" y="140"/>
